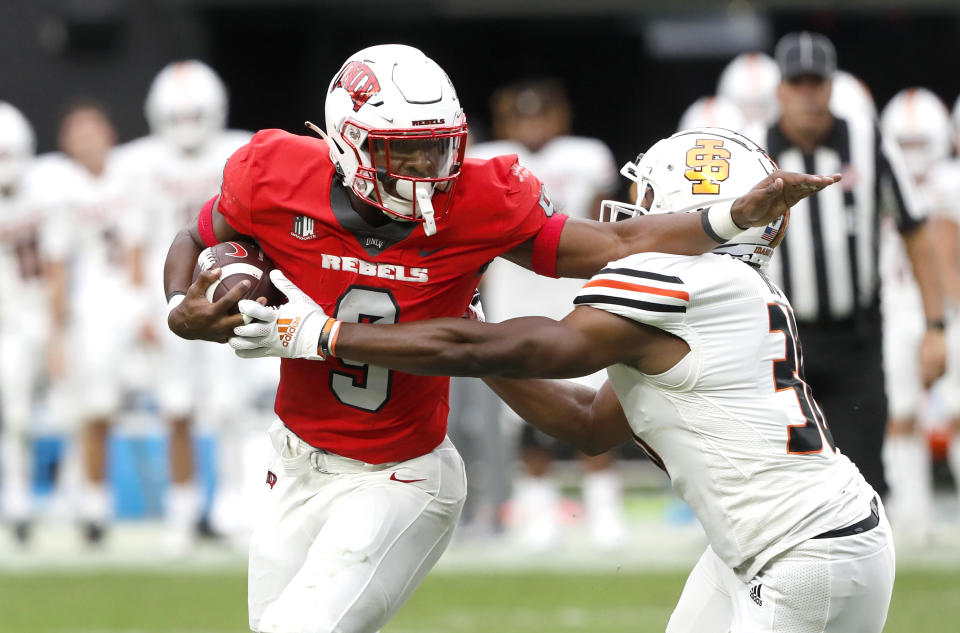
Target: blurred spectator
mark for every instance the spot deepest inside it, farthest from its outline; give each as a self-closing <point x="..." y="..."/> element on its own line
<point x="23" y="332"/>
<point x="93" y="232"/>
<point x="919" y="123"/>
<point x="178" y="168"/>
<point x="533" y="119"/>
<point x="827" y="264"/>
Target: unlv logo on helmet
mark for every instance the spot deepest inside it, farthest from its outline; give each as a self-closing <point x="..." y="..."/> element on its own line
<point x="359" y="81"/>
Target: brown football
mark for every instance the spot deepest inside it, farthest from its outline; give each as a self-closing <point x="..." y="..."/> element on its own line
<point x="238" y="261"/>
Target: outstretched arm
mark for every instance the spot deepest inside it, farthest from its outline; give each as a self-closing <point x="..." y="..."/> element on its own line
<point x="586" y="341"/>
<point x="586" y="246"/>
<point x="593" y="421"/>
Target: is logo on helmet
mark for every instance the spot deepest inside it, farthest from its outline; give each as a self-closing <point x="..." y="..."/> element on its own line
<point x="359" y="81"/>
<point x="708" y="165"/>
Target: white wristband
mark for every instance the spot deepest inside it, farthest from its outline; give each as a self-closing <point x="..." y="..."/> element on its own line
<point x="721" y="221"/>
<point x="175" y="300"/>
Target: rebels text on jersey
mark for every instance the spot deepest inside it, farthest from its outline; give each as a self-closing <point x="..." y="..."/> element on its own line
<point x="281" y="189"/>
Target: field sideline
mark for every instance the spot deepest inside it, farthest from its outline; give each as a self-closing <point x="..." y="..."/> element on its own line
<point x="116" y="601"/>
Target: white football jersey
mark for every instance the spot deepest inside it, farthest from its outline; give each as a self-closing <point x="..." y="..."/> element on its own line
<point x="173" y="186"/>
<point x="943" y="189"/>
<point x="733" y="424"/>
<point x="23" y="251"/>
<point x="91" y="228"/>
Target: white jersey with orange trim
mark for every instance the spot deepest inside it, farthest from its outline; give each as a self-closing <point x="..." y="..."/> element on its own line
<point x="23" y="215"/>
<point x="173" y="186"/>
<point x="733" y="423"/>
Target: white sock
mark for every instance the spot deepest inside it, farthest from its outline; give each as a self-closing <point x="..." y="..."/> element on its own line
<point x="183" y="506"/>
<point x="95" y="502"/>
<point x="603" y="504"/>
<point x="535" y="504"/>
<point x="15" y="476"/>
<point x="907" y="462"/>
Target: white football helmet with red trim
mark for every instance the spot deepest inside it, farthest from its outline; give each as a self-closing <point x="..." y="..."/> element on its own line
<point x="396" y="131"/>
<point x="17" y="145"/>
<point x="750" y="81"/>
<point x="920" y="124"/>
<point x="699" y="169"/>
<point x="187" y="104"/>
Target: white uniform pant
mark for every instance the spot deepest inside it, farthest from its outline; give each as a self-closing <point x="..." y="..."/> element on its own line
<point x="831" y="585"/>
<point x="340" y="545"/>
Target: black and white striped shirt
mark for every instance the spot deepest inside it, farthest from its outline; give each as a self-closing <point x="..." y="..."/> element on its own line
<point x="827" y="264"/>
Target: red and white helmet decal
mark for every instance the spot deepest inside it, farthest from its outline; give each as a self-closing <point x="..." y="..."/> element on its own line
<point x="359" y="81"/>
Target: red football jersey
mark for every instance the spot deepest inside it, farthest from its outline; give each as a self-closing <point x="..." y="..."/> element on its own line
<point x="281" y="190"/>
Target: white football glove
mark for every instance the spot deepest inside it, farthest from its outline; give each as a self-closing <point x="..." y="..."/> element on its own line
<point x="291" y="330"/>
<point x="475" y="309"/>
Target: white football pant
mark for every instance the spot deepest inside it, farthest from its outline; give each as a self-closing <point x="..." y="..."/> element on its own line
<point x="830" y="585"/>
<point x="340" y="544"/>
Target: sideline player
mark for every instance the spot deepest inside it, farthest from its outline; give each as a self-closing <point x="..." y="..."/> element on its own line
<point x="917" y="121"/>
<point x="179" y="163"/>
<point x="706" y="373"/>
<point x="92" y="234"/>
<point x="533" y="120"/>
<point x="386" y="222"/>
<point x="23" y="332"/>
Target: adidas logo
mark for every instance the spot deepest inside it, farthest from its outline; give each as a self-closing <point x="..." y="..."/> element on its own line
<point x="287" y="329"/>
<point x="755" y="594"/>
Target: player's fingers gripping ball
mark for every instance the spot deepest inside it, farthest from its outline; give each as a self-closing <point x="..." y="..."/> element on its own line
<point x="298" y="328"/>
<point x="238" y="262"/>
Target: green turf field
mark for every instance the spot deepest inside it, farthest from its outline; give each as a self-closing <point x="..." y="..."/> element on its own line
<point x="139" y="602"/>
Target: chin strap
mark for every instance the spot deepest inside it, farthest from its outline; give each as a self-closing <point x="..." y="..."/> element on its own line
<point x="426" y="210"/>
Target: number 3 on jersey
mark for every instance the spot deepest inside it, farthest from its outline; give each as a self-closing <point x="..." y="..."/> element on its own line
<point x="371" y="389"/>
<point x="788" y="374"/>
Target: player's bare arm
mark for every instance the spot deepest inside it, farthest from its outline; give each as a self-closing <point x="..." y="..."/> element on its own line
<point x="195" y="317"/>
<point x="591" y="420"/>
<point x="586" y="246"/>
<point x="586" y="341"/>
<point x="920" y="250"/>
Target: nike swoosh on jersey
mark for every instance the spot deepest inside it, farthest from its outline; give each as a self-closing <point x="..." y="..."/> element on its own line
<point x="394" y="477"/>
<point x="425" y="253"/>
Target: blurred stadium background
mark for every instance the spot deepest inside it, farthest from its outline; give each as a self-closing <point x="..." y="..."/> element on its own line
<point x="630" y="67"/>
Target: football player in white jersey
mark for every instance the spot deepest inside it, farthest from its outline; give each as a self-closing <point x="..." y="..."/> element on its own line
<point x="919" y="123"/>
<point x="92" y="231"/>
<point x="532" y="119"/>
<point x="706" y="374"/>
<point x="712" y="111"/>
<point x="750" y="82"/>
<point x="944" y="188"/>
<point x="178" y="166"/>
<point x="23" y="332"/>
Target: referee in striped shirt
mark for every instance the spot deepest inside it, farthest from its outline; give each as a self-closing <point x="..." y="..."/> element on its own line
<point x="827" y="265"/>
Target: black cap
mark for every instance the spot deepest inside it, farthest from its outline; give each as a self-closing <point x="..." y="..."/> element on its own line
<point x="805" y="53"/>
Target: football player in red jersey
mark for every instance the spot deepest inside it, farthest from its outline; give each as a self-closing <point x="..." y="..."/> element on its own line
<point x="384" y="221"/>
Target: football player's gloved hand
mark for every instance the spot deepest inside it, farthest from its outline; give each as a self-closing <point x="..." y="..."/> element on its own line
<point x="292" y="330"/>
<point x="475" y="309"/>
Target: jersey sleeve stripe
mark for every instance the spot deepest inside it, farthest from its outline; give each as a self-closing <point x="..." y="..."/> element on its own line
<point x="649" y="306"/>
<point x="630" y="272"/>
<point x="623" y="285"/>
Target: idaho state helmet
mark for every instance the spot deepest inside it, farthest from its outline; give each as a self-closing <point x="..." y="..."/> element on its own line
<point x="698" y="169"/>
